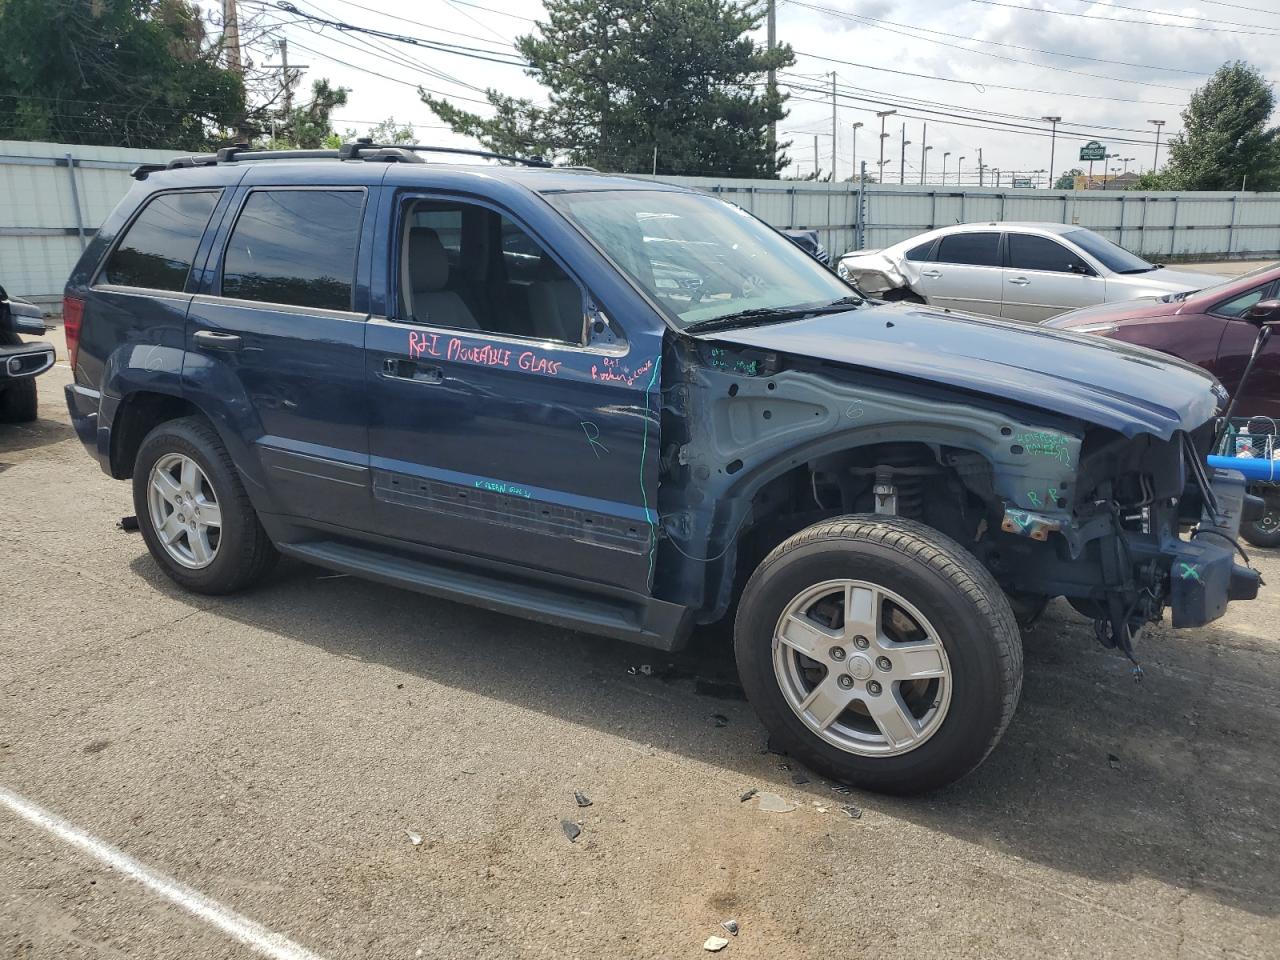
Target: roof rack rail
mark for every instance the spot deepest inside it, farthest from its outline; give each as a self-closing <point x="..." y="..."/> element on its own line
<point x="363" y="148"/>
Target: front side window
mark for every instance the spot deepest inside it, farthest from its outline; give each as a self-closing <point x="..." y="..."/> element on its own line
<point x="468" y="267"/>
<point x="157" y="249"/>
<point x="1111" y="255"/>
<point x="295" y="247"/>
<point x="699" y="258"/>
<point x="1030" y="252"/>
<point x="1237" y="305"/>
<point x="972" y="249"/>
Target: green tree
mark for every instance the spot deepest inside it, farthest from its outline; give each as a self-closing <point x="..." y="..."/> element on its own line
<point x="1067" y="179"/>
<point x="308" y="127"/>
<point x="627" y="76"/>
<point x="135" y="73"/>
<point x="1225" y="138"/>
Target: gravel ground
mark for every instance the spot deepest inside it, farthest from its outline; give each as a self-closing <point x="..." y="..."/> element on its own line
<point x="271" y="750"/>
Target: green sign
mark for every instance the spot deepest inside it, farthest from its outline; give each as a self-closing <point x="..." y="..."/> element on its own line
<point x="1093" y="150"/>
<point x="1022" y="182"/>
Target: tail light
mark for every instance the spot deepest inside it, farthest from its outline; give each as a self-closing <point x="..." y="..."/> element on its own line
<point x="72" y="318"/>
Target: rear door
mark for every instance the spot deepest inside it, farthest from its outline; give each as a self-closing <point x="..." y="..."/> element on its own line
<point x="965" y="273"/>
<point x="1044" y="278"/>
<point x="275" y="346"/>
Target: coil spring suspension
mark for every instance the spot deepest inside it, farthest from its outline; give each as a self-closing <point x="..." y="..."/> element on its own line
<point x="909" y="484"/>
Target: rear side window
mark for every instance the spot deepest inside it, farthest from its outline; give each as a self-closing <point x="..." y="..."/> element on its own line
<point x="295" y="247"/>
<point x="157" y="249"/>
<point x="1029" y="252"/>
<point x="920" y="252"/>
<point x="976" y="249"/>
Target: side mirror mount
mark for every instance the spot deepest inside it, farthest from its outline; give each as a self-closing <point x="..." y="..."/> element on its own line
<point x="1264" y="313"/>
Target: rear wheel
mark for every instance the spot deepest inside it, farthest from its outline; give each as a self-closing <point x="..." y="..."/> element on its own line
<point x="879" y="652"/>
<point x="1265" y="531"/>
<point x="193" y="510"/>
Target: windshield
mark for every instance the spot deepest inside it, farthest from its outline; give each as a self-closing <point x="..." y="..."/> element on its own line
<point x="700" y="258"/>
<point x="1111" y="255"/>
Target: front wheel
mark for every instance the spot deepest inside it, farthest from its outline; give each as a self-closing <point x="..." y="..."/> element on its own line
<point x="879" y="652"/>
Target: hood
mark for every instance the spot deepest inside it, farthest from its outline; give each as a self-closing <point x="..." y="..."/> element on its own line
<point x="1125" y="388"/>
<point x="1146" y="308"/>
<point x="1162" y="281"/>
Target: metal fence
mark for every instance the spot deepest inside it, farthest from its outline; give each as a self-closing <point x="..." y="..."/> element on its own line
<point x="54" y="196"/>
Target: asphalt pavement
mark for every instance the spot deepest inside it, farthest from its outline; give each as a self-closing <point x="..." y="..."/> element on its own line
<point x="274" y="754"/>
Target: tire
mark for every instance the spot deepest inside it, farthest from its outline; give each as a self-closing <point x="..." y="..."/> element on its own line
<point x="969" y="646"/>
<point x="240" y="553"/>
<point x="19" y="402"/>
<point x="1264" y="532"/>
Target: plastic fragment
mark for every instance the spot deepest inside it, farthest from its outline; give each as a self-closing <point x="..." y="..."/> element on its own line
<point x="1114" y="761"/>
<point x="772" y="803"/>
<point x="581" y="798"/>
<point x="731" y="926"/>
<point x="128" y="524"/>
<point x="852" y="812"/>
<point x="414" y="838"/>
<point x="748" y="795"/>
<point x="841" y="789"/>
<point x="719" y="719"/>
<point x="571" y="830"/>
<point x="715" y="944"/>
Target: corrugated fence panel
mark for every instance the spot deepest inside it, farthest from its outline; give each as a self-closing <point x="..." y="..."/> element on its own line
<point x="40" y="231"/>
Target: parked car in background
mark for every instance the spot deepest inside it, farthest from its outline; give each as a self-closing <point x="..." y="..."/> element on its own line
<point x="1205" y="327"/>
<point x="807" y="240"/>
<point x="20" y="361"/>
<point x="1021" y="271"/>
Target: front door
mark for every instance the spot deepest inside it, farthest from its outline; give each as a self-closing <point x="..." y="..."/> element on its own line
<point x="275" y="349"/>
<point x="1043" y="279"/>
<point x="965" y="273"/>
<point x="501" y="429"/>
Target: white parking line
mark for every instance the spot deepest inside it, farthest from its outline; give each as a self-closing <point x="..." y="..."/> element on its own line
<point x="249" y="932"/>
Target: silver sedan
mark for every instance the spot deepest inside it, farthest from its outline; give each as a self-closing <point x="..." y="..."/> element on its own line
<point x="1022" y="271"/>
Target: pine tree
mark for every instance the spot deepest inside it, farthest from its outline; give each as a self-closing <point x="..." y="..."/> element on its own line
<point x="627" y="76"/>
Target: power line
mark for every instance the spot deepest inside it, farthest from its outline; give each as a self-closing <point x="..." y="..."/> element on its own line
<point x="419" y="23"/>
<point x="1170" y="13"/>
<point x="407" y="83"/>
<point x="888" y="25"/>
<point x="504" y="13"/>
<point x="1147" y="23"/>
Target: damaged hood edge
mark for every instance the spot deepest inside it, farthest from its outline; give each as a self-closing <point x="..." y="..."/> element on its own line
<point x="1104" y="382"/>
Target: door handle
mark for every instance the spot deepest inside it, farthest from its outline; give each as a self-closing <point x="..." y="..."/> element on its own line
<point x="398" y="369"/>
<point x="213" y="340"/>
<point x="931" y="275"/>
<point x="1019" y="281"/>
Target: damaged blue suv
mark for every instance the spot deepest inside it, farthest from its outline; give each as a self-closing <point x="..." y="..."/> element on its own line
<point x="629" y="409"/>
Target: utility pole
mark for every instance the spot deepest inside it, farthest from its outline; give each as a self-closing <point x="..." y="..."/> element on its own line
<point x="902" y="168"/>
<point x="1155" y="160"/>
<point x="982" y="170"/>
<point x="944" y="166"/>
<point x="772" y="31"/>
<point x="835" y="139"/>
<point x="816" y="169"/>
<point x="231" y="35"/>
<point x="882" y="114"/>
<point x="1053" y="142"/>
<point x="855" y="146"/>
<point x="287" y="78"/>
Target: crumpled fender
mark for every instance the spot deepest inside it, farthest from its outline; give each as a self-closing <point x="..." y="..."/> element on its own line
<point x="873" y="271"/>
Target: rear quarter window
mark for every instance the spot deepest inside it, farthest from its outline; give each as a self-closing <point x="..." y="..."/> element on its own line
<point x="295" y="247"/>
<point x="156" y="250"/>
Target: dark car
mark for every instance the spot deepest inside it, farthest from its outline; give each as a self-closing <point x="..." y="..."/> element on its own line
<point x="1206" y="327"/>
<point x="491" y="383"/>
<point x="21" y="361"/>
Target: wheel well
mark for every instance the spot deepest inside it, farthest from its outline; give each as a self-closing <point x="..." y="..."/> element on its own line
<point x="139" y="414"/>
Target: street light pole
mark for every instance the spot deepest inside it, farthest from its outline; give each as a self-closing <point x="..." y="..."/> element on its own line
<point x="1053" y="141"/>
<point x="882" y="114"/>
<point x="835" y="138"/>
<point x="924" y="163"/>
<point x="1127" y="161"/>
<point x="945" y="154"/>
<point x="959" y="164"/>
<point x="855" y="149"/>
<point x="924" y="151"/>
<point x="902" y="166"/>
<point x="1155" y="161"/>
<point x="982" y="176"/>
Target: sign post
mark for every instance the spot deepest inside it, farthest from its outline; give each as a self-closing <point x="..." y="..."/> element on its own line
<point x="1091" y="151"/>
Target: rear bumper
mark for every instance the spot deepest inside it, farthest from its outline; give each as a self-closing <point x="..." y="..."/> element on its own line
<point x="84" y="404"/>
<point x="25" y="360"/>
<point x="1204" y="576"/>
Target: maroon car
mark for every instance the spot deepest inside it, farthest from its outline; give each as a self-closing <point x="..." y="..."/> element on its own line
<point x="1205" y="327"/>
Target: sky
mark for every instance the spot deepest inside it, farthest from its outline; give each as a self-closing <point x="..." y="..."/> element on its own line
<point x="951" y="68"/>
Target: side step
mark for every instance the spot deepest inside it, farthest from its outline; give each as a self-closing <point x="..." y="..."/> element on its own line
<point x="644" y="620"/>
